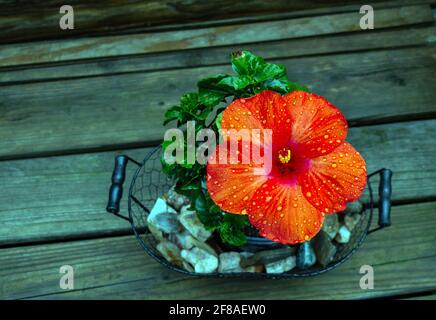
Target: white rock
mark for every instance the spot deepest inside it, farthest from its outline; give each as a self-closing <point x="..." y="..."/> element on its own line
<point x="202" y="261"/>
<point x="160" y="206"/>
<point x="163" y="217"/>
<point x="167" y="222"/>
<point x="170" y="252"/>
<point x="230" y="262"/>
<point x="177" y="201"/>
<point x="157" y="234"/>
<point x="184" y="239"/>
<point x="204" y="246"/>
<point x="190" y="221"/>
<point x="206" y="266"/>
<point x="281" y="265"/>
<point x="343" y="235"/>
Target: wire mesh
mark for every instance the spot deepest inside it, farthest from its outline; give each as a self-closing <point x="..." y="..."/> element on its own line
<point x="150" y="182"/>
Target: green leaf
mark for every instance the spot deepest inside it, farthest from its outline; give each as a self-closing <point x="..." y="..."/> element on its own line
<point x="292" y="86"/>
<point x="211" y="98"/>
<point x="234" y="238"/>
<point x="210" y="92"/>
<point x="202" y="115"/>
<point x="283" y="85"/>
<point x="189" y="101"/>
<point x="173" y="113"/>
<point x="236" y="220"/>
<point x="275" y="85"/>
<point x="230" y="229"/>
<point x="246" y="63"/>
<point x="269" y="71"/>
<point x="237" y="83"/>
<point x="208" y="212"/>
<point x="218" y="119"/>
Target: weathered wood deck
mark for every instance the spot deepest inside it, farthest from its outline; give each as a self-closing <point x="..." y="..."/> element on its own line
<point x="69" y="103"/>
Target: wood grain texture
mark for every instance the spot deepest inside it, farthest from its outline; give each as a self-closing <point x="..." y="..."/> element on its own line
<point x="105" y="112"/>
<point x="35" y="20"/>
<point x="349" y="42"/>
<point x="59" y="198"/>
<point x="117" y="268"/>
<point x="115" y="15"/>
<point x="95" y="47"/>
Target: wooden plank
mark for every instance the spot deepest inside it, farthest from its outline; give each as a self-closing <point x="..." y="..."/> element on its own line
<point x="57" y="198"/>
<point x="341" y="284"/>
<point x="93" y="47"/>
<point x="108" y="17"/>
<point x="42" y="19"/>
<point x="115" y="111"/>
<point x="361" y="41"/>
<point x="402" y="256"/>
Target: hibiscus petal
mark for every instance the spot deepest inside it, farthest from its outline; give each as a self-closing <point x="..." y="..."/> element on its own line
<point x="231" y="186"/>
<point x="317" y="125"/>
<point x="282" y="213"/>
<point x="335" y="179"/>
<point x="266" y="110"/>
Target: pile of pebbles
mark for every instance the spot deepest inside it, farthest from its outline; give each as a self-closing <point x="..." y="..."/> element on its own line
<point x="183" y="241"/>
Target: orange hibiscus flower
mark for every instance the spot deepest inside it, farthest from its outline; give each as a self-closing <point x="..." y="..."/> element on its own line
<point x="313" y="171"/>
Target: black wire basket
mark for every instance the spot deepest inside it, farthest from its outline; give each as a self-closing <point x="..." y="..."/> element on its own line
<point x="149" y="183"/>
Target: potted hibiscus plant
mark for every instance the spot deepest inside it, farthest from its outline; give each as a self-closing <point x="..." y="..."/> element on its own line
<point x="289" y="201"/>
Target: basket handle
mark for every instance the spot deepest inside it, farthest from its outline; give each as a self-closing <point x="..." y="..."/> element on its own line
<point x="384" y="202"/>
<point x="116" y="188"/>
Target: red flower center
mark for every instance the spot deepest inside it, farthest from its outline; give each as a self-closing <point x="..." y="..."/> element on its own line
<point x="288" y="164"/>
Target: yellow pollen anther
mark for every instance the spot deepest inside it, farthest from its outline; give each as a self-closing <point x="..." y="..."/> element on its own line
<point x="285" y="158"/>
